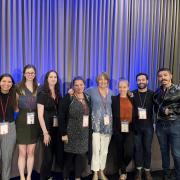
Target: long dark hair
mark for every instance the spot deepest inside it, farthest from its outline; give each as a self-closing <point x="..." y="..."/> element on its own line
<point x="57" y="85"/>
<point x="22" y="84"/>
<point x="12" y="91"/>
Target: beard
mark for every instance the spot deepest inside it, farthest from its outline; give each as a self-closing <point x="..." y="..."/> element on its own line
<point x="142" y="86"/>
<point x="164" y="81"/>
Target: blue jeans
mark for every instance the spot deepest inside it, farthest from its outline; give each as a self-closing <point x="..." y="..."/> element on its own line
<point x="143" y="141"/>
<point x="168" y="133"/>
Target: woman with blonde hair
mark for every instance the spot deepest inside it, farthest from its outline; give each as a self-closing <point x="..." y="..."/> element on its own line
<point x="101" y="124"/>
<point x="123" y="115"/>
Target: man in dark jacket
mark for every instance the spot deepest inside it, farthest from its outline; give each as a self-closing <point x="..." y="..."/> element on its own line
<point x="167" y="107"/>
<point x="143" y="126"/>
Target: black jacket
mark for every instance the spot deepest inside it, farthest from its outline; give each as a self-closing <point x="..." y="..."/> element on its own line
<point x="116" y="114"/>
<point x="170" y="99"/>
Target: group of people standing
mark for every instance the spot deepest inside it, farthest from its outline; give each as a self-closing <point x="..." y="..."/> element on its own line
<point x="27" y="114"/>
<point x="77" y="129"/>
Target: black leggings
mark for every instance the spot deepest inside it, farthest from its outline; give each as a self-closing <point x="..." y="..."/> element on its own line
<point x="125" y="148"/>
<point x="75" y="161"/>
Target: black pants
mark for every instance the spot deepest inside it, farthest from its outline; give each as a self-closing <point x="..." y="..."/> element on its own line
<point x="76" y="162"/>
<point x="125" y="148"/>
<point x="143" y="141"/>
<point x="54" y="149"/>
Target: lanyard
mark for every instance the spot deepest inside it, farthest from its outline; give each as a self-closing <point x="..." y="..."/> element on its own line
<point x="84" y="104"/>
<point x="104" y="101"/>
<point x="2" y="107"/>
<point x="142" y="103"/>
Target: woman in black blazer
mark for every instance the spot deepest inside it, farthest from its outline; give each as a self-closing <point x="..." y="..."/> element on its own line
<point x="122" y="111"/>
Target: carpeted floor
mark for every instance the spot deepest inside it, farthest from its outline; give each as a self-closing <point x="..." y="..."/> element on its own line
<point x="58" y="176"/>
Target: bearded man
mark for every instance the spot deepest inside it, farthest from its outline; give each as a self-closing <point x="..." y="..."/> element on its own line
<point x="143" y="126"/>
<point x="167" y="106"/>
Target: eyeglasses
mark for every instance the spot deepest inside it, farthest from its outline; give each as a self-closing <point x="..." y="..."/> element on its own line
<point x="30" y="73"/>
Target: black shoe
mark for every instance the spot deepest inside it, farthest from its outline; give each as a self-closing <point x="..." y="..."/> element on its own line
<point x="148" y="175"/>
<point x="165" y="177"/>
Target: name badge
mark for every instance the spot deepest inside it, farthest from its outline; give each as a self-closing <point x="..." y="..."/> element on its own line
<point x="55" y="121"/>
<point x="124" y="126"/>
<point x="106" y="120"/>
<point x="142" y="113"/>
<point x="3" y="128"/>
<point x="30" y="118"/>
<point x="85" y="121"/>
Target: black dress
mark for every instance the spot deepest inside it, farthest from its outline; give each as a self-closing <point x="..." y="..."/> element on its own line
<point x="71" y="120"/>
<point x="79" y="144"/>
<point x="27" y="133"/>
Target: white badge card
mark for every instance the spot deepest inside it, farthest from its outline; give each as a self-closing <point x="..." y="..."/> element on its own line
<point x="30" y="118"/>
<point x="3" y="128"/>
<point x="106" y="120"/>
<point x="85" y="121"/>
<point x="55" y="121"/>
<point x="142" y="113"/>
<point x="125" y="126"/>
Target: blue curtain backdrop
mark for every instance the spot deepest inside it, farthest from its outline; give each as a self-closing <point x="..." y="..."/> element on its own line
<point x="86" y="37"/>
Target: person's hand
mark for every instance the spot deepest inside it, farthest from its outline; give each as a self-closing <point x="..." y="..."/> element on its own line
<point x="130" y="94"/>
<point x="168" y="111"/>
<point x="71" y="92"/>
<point x="47" y="139"/>
<point x="65" y="139"/>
